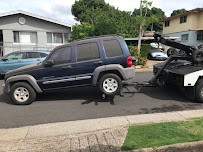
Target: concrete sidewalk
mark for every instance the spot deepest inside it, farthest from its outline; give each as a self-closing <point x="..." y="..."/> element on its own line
<point x="83" y="135"/>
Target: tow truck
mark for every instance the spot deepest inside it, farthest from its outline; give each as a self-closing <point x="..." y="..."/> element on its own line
<point x="185" y="71"/>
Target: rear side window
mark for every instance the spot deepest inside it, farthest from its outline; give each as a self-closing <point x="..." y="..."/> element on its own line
<point x="32" y="55"/>
<point x="43" y="55"/>
<point x="61" y="56"/>
<point x="87" y="51"/>
<point x="112" y="48"/>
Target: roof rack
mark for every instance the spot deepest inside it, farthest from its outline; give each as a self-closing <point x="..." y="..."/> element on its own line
<point x="96" y="37"/>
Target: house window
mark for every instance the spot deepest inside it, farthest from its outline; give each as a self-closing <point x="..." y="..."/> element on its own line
<point x="24" y="37"/>
<point x="167" y="23"/>
<point x="57" y="37"/>
<point x="200" y="37"/>
<point x="183" y="19"/>
<point x="184" y="37"/>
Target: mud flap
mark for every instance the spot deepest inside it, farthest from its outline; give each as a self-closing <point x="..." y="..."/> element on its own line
<point x="188" y="92"/>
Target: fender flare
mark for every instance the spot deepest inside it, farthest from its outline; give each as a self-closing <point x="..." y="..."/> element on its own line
<point x="110" y="67"/>
<point x="19" y="78"/>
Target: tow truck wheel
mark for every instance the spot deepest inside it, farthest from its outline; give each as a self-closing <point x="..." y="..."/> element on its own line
<point x="161" y="83"/>
<point x="199" y="91"/>
<point x="198" y="56"/>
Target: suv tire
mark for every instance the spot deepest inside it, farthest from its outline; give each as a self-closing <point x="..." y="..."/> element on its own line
<point x="110" y="84"/>
<point x="199" y="91"/>
<point x="22" y="93"/>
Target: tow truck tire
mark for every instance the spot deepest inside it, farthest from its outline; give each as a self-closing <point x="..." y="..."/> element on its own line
<point x="199" y="91"/>
<point x="197" y="56"/>
<point x="172" y="51"/>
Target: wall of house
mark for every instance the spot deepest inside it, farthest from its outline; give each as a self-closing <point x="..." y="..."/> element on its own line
<point x="11" y="23"/>
<point x="193" y="22"/>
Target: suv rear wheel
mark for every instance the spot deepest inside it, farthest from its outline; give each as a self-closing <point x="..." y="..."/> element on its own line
<point x="110" y="84"/>
<point x="22" y="93"/>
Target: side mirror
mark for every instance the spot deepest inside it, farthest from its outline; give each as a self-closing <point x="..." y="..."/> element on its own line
<point x="4" y="59"/>
<point x="48" y="63"/>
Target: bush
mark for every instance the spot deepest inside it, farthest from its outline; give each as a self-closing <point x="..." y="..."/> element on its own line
<point x="145" y="50"/>
<point x="141" y="60"/>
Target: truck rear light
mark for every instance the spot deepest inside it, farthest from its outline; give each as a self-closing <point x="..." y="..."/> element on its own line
<point x="129" y="61"/>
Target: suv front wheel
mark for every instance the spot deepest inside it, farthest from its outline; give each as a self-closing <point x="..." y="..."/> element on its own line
<point x="110" y="84"/>
<point x="22" y="93"/>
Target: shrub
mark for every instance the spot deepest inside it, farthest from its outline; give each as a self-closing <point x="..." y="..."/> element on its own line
<point x="145" y="48"/>
<point x="141" y="60"/>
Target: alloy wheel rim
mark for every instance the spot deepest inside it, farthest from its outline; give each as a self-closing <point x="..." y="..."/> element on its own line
<point x="21" y="94"/>
<point x="110" y="85"/>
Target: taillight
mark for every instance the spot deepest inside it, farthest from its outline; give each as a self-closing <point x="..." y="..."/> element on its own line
<point x="129" y="61"/>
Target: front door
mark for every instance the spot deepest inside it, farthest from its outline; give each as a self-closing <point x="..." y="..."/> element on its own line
<point x="59" y="75"/>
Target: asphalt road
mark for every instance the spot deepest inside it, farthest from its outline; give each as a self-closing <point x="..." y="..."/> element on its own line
<point x="86" y="103"/>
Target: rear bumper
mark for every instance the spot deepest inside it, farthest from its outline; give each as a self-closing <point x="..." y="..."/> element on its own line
<point x="129" y="72"/>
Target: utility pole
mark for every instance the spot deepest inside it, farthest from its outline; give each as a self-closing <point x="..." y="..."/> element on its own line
<point x="140" y="32"/>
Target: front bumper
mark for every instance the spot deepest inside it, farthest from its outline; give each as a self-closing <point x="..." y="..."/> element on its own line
<point x="3" y="87"/>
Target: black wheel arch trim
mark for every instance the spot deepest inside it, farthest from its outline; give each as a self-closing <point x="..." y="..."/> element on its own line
<point x="19" y="78"/>
<point x="110" y="67"/>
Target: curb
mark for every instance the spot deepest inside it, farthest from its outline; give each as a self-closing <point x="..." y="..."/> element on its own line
<point x="91" y="125"/>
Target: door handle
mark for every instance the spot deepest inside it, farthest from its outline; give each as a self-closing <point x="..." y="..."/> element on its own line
<point x="67" y="67"/>
<point x="98" y="62"/>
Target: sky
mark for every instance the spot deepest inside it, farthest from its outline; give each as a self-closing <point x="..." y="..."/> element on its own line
<point x="61" y="9"/>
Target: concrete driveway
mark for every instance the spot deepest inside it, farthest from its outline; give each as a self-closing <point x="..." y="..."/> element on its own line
<point x="86" y="103"/>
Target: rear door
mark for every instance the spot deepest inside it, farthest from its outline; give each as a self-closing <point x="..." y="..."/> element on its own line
<point x="88" y="58"/>
<point x="31" y="57"/>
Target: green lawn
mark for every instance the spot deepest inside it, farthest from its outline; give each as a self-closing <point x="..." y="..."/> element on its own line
<point x="155" y="135"/>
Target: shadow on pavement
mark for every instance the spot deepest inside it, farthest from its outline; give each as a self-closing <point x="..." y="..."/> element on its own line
<point x="89" y="94"/>
<point x="5" y="99"/>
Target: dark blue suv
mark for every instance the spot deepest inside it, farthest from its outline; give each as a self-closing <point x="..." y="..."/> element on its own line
<point x="99" y="61"/>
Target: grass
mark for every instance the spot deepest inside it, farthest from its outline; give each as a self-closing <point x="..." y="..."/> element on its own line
<point x="160" y="134"/>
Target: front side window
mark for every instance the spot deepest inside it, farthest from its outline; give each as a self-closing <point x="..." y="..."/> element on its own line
<point x="87" y="51"/>
<point x="112" y="48"/>
<point x="24" y="37"/>
<point x="184" y="37"/>
<point x="15" y="56"/>
<point x="61" y="56"/>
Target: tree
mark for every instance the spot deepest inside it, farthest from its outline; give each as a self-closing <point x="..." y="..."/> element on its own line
<point x="104" y="19"/>
<point x="82" y="30"/>
<point x="144" y="4"/>
<point x="179" y="11"/>
<point x="154" y="16"/>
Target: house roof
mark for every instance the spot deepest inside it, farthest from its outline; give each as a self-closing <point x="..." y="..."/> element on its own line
<point x="33" y="15"/>
<point x="196" y="10"/>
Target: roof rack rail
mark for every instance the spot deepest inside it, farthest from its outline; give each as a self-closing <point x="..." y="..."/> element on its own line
<point x="95" y="37"/>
